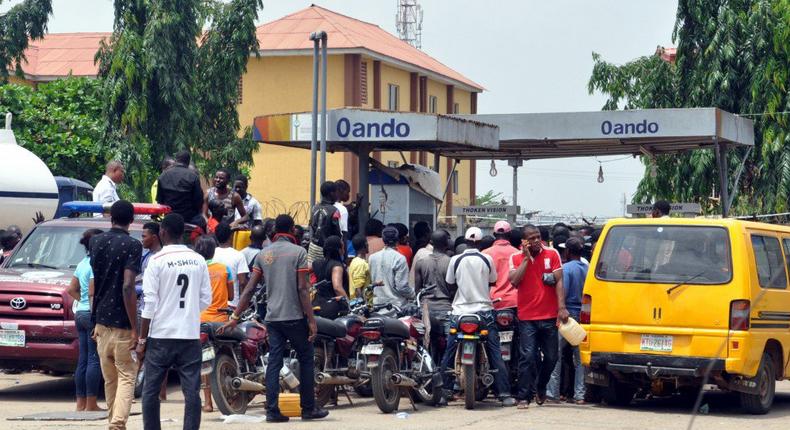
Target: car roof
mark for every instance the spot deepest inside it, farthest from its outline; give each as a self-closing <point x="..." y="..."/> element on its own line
<point x="62" y="180"/>
<point x="86" y="222"/>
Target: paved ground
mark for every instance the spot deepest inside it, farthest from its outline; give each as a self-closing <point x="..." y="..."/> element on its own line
<point x="32" y="393"/>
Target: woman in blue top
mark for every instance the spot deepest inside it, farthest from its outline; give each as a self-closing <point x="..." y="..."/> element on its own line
<point x="88" y="374"/>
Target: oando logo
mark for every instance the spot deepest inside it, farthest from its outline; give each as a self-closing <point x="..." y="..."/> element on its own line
<point x="346" y="128"/>
<point x="644" y="127"/>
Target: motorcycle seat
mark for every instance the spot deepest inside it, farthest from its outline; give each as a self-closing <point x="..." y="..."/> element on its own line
<point x="388" y="326"/>
<point x="349" y="321"/>
<point x="211" y="328"/>
<point x="330" y="328"/>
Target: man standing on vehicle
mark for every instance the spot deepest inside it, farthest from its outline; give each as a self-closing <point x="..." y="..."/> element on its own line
<point x="537" y="273"/>
<point x="289" y="316"/>
<point x="115" y="260"/>
<point x="574" y="271"/>
<point x="176" y="287"/>
<point x="390" y="272"/>
<point x="473" y="273"/>
<point x="179" y="187"/>
<point x="104" y="191"/>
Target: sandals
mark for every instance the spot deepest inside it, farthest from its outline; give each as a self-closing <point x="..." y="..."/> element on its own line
<point x="522" y="404"/>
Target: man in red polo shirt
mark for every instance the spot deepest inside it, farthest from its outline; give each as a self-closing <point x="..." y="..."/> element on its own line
<point x="537" y="273"/>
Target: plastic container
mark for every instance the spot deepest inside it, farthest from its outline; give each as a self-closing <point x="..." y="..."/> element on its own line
<point x="573" y="332"/>
<point x="289" y="405"/>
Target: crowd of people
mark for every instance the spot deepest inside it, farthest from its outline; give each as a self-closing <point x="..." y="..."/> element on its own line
<point x="141" y="303"/>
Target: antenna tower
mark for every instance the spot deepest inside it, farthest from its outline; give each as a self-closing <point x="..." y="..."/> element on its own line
<point x="408" y="20"/>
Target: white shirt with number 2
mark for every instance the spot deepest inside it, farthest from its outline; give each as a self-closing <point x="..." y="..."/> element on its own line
<point x="177" y="289"/>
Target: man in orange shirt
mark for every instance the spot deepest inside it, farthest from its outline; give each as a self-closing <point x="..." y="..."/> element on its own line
<point x="221" y="279"/>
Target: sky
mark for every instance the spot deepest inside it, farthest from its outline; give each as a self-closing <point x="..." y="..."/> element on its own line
<point x="530" y="55"/>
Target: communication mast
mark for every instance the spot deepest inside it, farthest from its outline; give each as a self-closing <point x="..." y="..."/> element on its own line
<point x="408" y="20"/>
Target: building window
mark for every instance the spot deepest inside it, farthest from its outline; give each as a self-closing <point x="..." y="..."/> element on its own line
<point x="433" y="102"/>
<point x="455" y="182"/>
<point x="394" y="100"/>
<point x="456" y="108"/>
<point x="363" y="82"/>
<point x="239" y="89"/>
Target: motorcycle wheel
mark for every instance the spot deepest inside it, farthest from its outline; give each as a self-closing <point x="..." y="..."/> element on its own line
<point x="427" y="393"/>
<point x="386" y="394"/>
<point x="228" y="400"/>
<point x="323" y="393"/>
<point x="470" y="389"/>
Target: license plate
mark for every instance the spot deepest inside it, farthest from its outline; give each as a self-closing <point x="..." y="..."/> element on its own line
<point x="373" y="349"/>
<point x="505" y="336"/>
<point x="12" y="338"/>
<point x="469" y="348"/>
<point x="208" y="354"/>
<point x="654" y="342"/>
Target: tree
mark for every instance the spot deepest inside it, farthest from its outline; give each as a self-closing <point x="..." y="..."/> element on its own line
<point x="165" y="92"/>
<point x="22" y="23"/>
<point x="490" y="198"/>
<point x="61" y="123"/>
<point x="731" y="54"/>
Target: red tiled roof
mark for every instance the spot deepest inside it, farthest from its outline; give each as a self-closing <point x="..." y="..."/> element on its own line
<point x="59" y="54"/>
<point x="290" y="33"/>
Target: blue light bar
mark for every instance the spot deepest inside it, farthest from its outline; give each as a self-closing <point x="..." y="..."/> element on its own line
<point x="87" y="207"/>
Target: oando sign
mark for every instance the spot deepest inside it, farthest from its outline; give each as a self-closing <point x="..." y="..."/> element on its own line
<point x="366" y="126"/>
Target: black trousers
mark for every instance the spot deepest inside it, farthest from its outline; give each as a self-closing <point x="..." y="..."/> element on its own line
<point x="296" y="332"/>
<point x="186" y="356"/>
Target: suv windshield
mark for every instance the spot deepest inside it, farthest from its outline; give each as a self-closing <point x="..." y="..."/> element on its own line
<point x="52" y="247"/>
<point x="666" y="254"/>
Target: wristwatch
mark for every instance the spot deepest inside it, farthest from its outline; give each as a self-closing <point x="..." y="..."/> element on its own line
<point x="234" y="317"/>
<point x="142" y="341"/>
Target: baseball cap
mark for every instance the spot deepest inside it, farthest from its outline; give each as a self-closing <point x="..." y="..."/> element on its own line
<point x="474" y="234"/>
<point x="502" y="227"/>
<point x="574" y="245"/>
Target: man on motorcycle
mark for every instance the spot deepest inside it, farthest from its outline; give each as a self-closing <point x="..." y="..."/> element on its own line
<point x="289" y="317"/>
<point x="430" y="271"/>
<point x="473" y="273"/>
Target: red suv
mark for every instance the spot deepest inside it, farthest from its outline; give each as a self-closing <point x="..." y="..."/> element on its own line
<point x="36" y="320"/>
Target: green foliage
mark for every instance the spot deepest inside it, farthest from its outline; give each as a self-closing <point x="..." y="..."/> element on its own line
<point x="165" y="92"/>
<point x="61" y="123"/>
<point x="490" y="198"/>
<point x="23" y="22"/>
<point x="731" y="54"/>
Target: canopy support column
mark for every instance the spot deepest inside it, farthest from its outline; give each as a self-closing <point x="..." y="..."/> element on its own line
<point x="363" y="154"/>
<point x="724" y="183"/>
<point x="515" y="164"/>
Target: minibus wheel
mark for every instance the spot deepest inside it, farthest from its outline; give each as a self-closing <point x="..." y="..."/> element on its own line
<point x="760" y="403"/>
<point x="619" y="393"/>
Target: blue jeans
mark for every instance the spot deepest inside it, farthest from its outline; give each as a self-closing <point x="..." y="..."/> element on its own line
<point x="186" y="356"/>
<point x="87" y="377"/>
<point x="553" y="389"/>
<point x="534" y="372"/>
<point x="501" y="380"/>
<point x="280" y="333"/>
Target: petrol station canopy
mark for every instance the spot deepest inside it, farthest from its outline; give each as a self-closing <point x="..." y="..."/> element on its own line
<point x="525" y="136"/>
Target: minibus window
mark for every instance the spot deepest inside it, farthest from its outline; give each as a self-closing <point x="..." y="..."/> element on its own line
<point x="666" y="254"/>
<point x="786" y="243"/>
<point x="769" y="261"/>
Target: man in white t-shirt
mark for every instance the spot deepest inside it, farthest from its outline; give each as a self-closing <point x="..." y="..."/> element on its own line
<point x="177" y="289"/>
<point x="473" y="274"/>
<point x="343" y="194"/>
<point x="105" y="190"/>
<point x="235" y="260"/>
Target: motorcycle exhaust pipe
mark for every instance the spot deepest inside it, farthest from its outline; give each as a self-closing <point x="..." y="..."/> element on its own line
<point x="402" y="381"/>
<point x="323" y="378"/>
<point x="487" y="379"/>
<point x="242" y="384"/>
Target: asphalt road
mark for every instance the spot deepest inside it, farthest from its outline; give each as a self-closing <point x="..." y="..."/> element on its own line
<point x="33" y="393"/>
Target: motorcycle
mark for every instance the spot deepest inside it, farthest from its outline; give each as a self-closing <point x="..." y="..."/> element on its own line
<point x="472" y="366"/>
<point x="508" y="333"/>
<point x="397" y="359"/>
<point x="337" y="348"/>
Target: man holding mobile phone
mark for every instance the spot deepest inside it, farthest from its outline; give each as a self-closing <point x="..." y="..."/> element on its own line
<point x="536" y="272"/>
